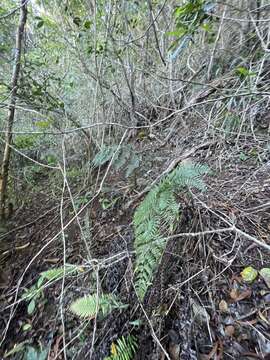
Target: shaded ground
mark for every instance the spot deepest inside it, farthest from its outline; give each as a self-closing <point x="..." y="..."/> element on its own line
<point x="198" y="307"/>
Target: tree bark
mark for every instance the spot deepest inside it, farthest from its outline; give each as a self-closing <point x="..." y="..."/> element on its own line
<point x="11" y="108"/>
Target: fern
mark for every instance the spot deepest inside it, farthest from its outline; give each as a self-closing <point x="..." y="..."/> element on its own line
<point x="89" y="306"/>
<point x="35" y="291"/>
<point x="156" y="218"/>
<point x="105" y="154"/>
<point x="124" y="349"/>
<point x="124" y="158"/>
<point x="133" y="163"/>
<point x="58" y="273"/>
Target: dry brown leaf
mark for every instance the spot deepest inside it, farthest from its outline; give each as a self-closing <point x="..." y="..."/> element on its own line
<point x="223" y="306"/>
<point x="263" y="318"/>
<point x="229" y="330"/>
<point x="52" y="261"/>
<point x="236" y="296"/>
<point x="199" y="312"/>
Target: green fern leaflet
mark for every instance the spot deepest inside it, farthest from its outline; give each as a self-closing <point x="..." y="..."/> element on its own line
<point x="58" y="273"/>
<point x="89" y="306"/>
<point x="124" y="348"/>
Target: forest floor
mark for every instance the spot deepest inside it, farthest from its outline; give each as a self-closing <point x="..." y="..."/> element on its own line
<point x="199" y="306"/>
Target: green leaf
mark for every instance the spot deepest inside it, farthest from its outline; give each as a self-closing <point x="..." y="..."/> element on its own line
<point x="137" y="322"/>
<point x="265" y="274"/>
<point x="43" y="124"/>
<point x="178" y="33"/>
<point x="40" y="24"/>
<point x="31" y="307"/>
<point x="179" y="11"/>
<point x="89" y="306"/>
<point x="26" y="327"/>
<point x="31" y="354"/>
<point x="124" y="348"/>
<point x="244" y="72"/>
<point x="243" y="156"/>
<point x="249" y="274"/>
<point x="34" y="354"/>
<point x="89" y="49"/>
<point x="58" y="273"/>
<point x="106" y="203"/>
<point x="105" y="154"/>
<point x="207" y="27"/>
<point x="87" y="24"/>
<point x="40" y="282"/>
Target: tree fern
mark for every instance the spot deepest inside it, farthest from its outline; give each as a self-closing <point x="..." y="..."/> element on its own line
<point x="124" y="348"/>
<point x="156" y="218"/>
<point x="89" y="306"/>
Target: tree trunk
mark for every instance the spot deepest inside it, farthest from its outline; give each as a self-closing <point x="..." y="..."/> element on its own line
<point x="11" y="108"/>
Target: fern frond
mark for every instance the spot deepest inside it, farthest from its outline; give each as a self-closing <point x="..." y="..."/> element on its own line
<point x="89" y="306"/>
<point x="156" y="217"/>
<point x="146" y="209"/>
<point x="124" y="157"/>
<point x="148" y="258"/>
<point x="133" y="164"/>
<point x="189" y="175"/>
<point x="124" y="154"/>
<point x="105" y="154"/>
<point x="58" y="273"/>
<point x="124" y="348"/>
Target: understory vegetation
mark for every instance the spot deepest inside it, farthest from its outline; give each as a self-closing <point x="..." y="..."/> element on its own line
<point x="134" y="182"/>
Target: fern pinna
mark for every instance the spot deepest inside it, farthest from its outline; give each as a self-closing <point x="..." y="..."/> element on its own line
<point x="124" y="157"/>
<point x="124" y="348"/>
<point x="89" y="306"/>
<point x="156" y="218"/>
